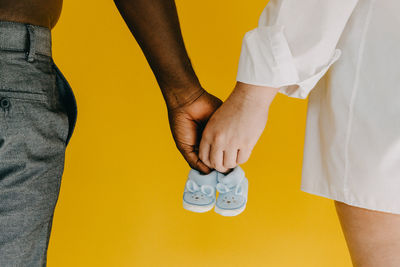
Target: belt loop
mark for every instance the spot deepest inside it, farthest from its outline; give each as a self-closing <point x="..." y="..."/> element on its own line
<point x="30" y="55"/>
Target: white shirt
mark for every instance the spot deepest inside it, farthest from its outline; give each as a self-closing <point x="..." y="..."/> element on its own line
<point x="352" y="145"/>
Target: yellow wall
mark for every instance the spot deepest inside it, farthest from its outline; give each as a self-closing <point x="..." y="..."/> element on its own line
<point x="121" y="195"/>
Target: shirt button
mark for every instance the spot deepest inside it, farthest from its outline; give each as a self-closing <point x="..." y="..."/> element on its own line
<point x="4" y="103"/>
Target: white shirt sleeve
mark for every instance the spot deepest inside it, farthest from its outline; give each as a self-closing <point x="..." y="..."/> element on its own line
<point x="294" y="44"/>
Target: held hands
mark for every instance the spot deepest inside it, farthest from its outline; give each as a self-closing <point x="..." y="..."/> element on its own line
<point x="228" y="132"/>
<point x="234" y="129"/>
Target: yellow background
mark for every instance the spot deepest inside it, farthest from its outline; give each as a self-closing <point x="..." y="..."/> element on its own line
<point x="121" y="195"/>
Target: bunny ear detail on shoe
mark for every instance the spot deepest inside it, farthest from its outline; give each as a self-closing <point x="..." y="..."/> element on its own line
<point x="206" y="189"/>
<point x="223" y="188"/>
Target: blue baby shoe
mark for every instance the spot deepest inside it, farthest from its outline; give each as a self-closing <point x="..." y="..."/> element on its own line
<point x="200" y="193"/>
<point x="232" y="189"/>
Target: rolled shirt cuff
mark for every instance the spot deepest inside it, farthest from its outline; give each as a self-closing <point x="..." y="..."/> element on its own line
<point x="266" y="60"/>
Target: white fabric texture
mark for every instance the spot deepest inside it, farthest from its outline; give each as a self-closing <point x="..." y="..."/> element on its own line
<point x="352" y="140"/>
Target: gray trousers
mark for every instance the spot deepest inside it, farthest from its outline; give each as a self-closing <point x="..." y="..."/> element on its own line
<point x="37" y="117"/>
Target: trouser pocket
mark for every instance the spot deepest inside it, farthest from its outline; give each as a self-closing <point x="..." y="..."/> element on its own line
<point x="68" y="100"/>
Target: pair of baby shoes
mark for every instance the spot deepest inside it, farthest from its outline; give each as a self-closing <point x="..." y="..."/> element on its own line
<point x="200" y="193"/>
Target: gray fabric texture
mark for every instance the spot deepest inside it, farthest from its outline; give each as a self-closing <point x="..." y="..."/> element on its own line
<point x="37" y="117"/>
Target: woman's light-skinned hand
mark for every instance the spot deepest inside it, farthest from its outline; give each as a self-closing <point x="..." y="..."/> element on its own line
<point x="234" y="129"/>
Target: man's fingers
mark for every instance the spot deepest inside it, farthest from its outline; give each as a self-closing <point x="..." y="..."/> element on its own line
<point x="195" y="162"/>
<point x="202" y="167"/>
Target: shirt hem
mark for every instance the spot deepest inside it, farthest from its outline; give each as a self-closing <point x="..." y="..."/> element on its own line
<point x="356" y="202"/>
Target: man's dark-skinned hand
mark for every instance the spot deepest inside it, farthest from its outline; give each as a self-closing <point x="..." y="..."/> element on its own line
<point x="155" y="25"/>
<point x="187" y="123"/>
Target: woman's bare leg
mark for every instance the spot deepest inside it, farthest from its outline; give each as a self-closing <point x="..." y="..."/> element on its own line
<point x="373" y="237"/>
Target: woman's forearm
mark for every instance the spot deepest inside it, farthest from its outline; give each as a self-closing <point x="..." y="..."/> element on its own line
<point x="258" y="95"/>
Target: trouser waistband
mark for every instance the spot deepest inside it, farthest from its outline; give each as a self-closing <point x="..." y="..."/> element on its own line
<point x="26" y="38"/>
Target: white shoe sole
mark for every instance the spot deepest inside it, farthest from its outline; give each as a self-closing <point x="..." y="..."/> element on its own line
<point x="229" y="213"/>
<point x="196" y="208"/>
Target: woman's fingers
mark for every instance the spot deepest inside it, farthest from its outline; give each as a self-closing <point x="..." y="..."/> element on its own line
<point x="211" y="151"/>
<point x="217" y="158"/>
<point x="204" y="152"/>
<point x="243" y="155"/>
<point x="230" y="155"/>
<point x="219" y="154"/>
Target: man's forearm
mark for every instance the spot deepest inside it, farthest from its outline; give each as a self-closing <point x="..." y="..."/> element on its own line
<point x="155" y="25"/>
